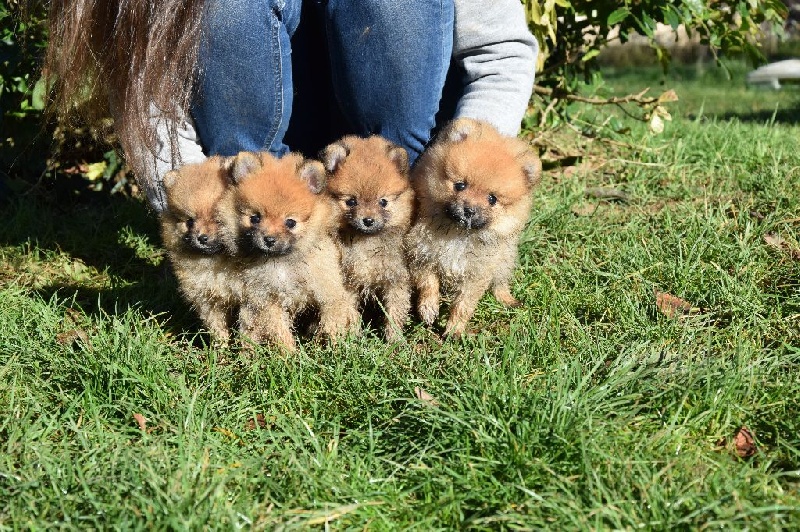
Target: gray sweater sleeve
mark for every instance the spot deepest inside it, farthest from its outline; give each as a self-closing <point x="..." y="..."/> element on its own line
<point x="153" y="166"/>
<point x="498" y="54"/>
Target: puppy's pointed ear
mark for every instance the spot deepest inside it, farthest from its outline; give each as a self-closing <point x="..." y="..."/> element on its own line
<point x="313" y="173"/>
<point x="170" y="178"/>
<point x="334" y="155"/>
<point x="243" y="165"/>
<point x="226" y="167"/>
<point x="399" y="156"/>
<point x="461" y="128"/>
<point x="531" y="167"/>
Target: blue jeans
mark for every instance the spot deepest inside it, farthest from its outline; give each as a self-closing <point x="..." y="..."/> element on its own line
<point x="351" y="66"/>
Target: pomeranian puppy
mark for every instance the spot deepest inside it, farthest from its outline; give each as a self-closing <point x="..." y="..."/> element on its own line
<point x="473" y="189"/>
<point x="368" y="179"/>
<point x="199" y="245"/>
<point x="288" y="258"/>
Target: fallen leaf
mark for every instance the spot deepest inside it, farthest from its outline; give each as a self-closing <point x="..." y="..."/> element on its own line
<point x="663" y="113"/>
<point x="73" y="315"/>
<point x="780" y="244"/>
<point x="569" y="171"/>
<point x="775" y="241"/>
<point x="141" y="421"/>
<point x="673" y="306"/>
<point x="425" y="397"/>
<point x="585" y="209"/>
<point x="228" y="433"/>
<point x="72" y="337"/>
<point x="656" y="124"/>
<point x="95" y="171"/>
<point x="744" y="443"/>
<point x="669" y="96"/>
<point x="259" y="422"/>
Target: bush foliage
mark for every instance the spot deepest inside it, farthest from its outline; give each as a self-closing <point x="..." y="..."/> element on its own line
<point x="572" y="33"/>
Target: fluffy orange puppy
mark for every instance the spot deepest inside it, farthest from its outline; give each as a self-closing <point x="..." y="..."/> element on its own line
<point x="368" y="179"/>
<point x="200" y="245"/>
<point x="287" y="253"/>
<point x="473" y="190"/>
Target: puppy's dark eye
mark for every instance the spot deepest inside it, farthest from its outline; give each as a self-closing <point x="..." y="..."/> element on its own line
<point x="351" y="202"/>
<point x="459" y="186"/>
<point x="190" y="224"/>
<point x="290" y="223"/>
<point x="492" y="199"/>
<point x="383" y="202"/>
<point x="255" y="219"/>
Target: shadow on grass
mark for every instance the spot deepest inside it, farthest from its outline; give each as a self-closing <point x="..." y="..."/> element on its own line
<point x="117" y="237"/>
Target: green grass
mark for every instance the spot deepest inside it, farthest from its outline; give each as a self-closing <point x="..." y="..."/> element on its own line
<point x="585" y="408"/>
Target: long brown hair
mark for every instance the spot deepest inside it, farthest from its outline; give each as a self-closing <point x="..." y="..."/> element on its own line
<point x="124" y="55"/>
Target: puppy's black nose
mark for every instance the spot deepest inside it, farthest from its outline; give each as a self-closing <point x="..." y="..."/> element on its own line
<point x="368" y="222"/>
<point x="203" y="239"/>
<point x="469" y="212"/>
<point x="269" y="241"/>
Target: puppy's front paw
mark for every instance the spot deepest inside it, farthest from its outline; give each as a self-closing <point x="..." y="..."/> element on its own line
<point x="503" y="295"/>
<point x="428" y="311"/>
<point x="455" y="328"/>
<point x="393" y="333"/>
<point x="340" y="320"/>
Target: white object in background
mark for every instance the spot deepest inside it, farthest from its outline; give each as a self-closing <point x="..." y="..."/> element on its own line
<point x="773" y="73"/>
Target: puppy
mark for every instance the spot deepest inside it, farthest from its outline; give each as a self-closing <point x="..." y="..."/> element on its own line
<point x="368" y="179"/>
<point x="199" y="245"/>
<point x="289" y="260"/>
<point x="473" y="188"/>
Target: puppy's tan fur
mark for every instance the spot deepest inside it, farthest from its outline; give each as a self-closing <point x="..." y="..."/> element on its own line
<point x="466" y="240"/>
<point x="368" y="180"/>
<point x="288" y="257"/>
<point x="199" y="245"/>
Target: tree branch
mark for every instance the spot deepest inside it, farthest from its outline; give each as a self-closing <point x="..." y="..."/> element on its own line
<point x="561" y="94"/>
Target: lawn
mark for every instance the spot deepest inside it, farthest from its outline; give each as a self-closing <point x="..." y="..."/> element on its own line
<point x="660" y="277"/>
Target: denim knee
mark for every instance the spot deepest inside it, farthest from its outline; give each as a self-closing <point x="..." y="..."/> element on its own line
<point x="244" y="92"/>
<point x="232" y="15"/>
<point x="389" y="62"/>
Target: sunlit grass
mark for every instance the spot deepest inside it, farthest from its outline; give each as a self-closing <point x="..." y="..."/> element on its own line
<point x="586" y="408"/>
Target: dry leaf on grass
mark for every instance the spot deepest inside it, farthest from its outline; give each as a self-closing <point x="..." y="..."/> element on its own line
<point x="775" y="241"/>
<point x="745" y="443"/>
<point x="141" y="421"/>
<point x="668" y="96"/>
<point x="585" y="209"/>
<point x="425" y="397"/>
<point x="584" y="167"/>
<point x="780" y="244"/>
<point x="259" y="422"/>
<point x="72" y="337"/>
<point x="74" y="315"/>
<point x="673" y="306"/>
<point x="569" y="171"/>
<point x="226" y="432"/>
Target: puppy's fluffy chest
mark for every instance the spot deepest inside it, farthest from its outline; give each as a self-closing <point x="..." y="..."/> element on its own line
<point x="372" y="261"/>
<point x="457" y="255"/>
<point x="281" y="279"/>
<point x="207" y="276"/>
